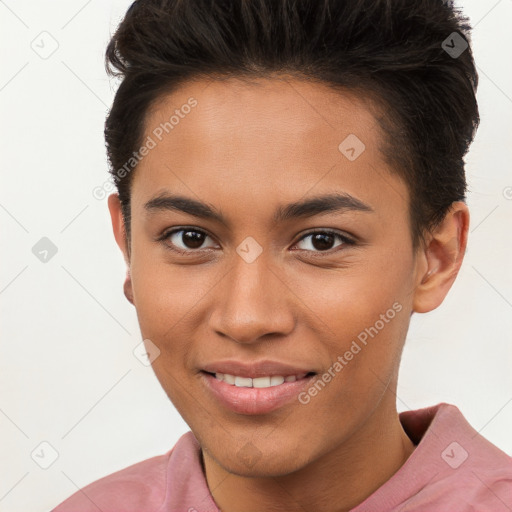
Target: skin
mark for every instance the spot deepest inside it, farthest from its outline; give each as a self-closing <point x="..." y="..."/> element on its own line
<point x="247" y="149"/>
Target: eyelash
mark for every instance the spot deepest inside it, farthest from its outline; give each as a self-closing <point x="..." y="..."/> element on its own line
<point x="345" y="239"/>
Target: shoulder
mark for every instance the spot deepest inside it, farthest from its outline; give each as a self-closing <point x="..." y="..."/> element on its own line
<point x="139" y="487"/>
<point x="466" y="472"/>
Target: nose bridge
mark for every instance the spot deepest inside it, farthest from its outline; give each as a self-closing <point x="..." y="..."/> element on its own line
<point x="252" y="300"/>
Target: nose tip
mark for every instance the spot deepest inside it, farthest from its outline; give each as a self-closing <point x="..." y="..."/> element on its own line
<point x="250" y="305"/>
<point x="247" y="337"/>
<point x="250" y="329"/>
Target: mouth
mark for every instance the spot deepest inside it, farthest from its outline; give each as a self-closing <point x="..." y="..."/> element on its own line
<point x="255" y="396"/>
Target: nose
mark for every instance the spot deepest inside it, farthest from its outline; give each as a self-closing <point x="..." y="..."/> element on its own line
<point x="253" y="302"/>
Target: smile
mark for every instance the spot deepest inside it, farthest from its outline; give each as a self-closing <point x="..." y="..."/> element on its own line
<point x="257" y="382"/>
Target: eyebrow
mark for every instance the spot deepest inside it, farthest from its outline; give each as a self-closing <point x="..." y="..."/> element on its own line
<point x="319" y="205"/>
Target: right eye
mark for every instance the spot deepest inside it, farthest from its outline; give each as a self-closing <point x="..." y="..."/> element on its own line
<point x="184" y="240"/>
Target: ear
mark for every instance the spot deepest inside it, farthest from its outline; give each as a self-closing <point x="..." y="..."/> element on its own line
<point x="440" y="259"/>
<point x="118" y="227"/>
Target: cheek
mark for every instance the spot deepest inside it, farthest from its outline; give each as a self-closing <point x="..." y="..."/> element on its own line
<point x="167" y="295"/>
<point x="167" y="300"/>
<point x="365" y="316"/>
<point x="352" y="298"/>
<point x="365" y="353"/>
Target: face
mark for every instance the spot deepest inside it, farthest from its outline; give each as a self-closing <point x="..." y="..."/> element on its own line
<point x="327" y="287"/>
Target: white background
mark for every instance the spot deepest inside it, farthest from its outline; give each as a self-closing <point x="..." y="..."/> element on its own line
<point x="67" y="372"/>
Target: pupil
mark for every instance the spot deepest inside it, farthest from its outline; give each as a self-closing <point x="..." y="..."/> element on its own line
<point x="325" y="241"/>
<point x="192" y="239"/>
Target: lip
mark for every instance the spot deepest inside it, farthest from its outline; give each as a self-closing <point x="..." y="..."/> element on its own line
<point x="257" y="369"/>
<point x="251" y="401"/>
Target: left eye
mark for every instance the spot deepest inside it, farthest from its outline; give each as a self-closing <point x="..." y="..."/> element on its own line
<point x="322" y="241"/>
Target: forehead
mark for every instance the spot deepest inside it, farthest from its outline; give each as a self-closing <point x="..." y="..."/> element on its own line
<point x="286" y="107"/>
<point x="270" y="140"/>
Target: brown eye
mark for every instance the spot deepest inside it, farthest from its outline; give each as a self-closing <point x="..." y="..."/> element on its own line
<point x="192" y="239"/>
<point x="184" y="240"/>
<point x="322" y="241"/>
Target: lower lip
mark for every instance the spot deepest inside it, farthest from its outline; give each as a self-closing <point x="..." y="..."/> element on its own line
<point x="244" y="400"/>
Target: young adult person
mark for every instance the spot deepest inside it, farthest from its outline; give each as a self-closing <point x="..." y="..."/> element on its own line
<point x="291" y="190"/>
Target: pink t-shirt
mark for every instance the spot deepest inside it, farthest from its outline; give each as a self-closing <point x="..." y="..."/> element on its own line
<point x="453" y="468"/>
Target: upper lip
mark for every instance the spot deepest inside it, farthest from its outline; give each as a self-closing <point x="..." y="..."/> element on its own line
<point x="255" y="369"/>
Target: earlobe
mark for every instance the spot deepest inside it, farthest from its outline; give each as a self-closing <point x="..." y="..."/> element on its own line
<point x="441" y="259"/>
<point x="127" y="287"/>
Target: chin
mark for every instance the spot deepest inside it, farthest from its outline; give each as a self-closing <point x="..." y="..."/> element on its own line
<point x="256" y="459"/>
<point x="269" y="468"/>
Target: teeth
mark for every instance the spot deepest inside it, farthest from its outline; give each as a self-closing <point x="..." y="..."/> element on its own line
<point x="242" y="382"/>
<point x="257" y="382"/>
<point x="230" y="379"/>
